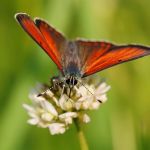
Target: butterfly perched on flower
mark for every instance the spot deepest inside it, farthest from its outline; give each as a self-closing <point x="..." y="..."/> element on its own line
<point x="77" y="59"/>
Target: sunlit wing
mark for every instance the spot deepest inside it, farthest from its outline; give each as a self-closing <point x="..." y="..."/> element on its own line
<point x="44" y="35"/>
<point x="102" y="55"/>
<point x="54" y="39"/>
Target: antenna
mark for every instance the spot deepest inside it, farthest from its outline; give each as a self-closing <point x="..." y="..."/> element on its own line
<point x="53" y="85"/>
<point x="89" y="90"/>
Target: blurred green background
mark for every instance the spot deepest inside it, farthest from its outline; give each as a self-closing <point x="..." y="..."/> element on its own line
<point x="123" y="123"/>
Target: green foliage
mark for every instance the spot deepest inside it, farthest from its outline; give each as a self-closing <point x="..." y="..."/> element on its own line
<point x="123" y="123"/>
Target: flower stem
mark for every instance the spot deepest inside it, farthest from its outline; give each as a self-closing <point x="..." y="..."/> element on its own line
<point x="82" y="139"/>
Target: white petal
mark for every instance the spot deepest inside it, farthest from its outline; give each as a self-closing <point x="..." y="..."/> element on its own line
<point x="86" y="118"/>
<point x="68" y="120"/>
<point x="68" y="114"/>
<point x="48" y="107"/>
<point x="65" y="103"/>
<point x="82" y="91"/>
<point x="78" y="105"/>
<point x="91" y="89"/>
<point x="33" y="96"/>
<point x="38" y="99"/>
<point x="57" y="128"/>
<point x="31" y="111"/>
<point x="33" y="121"/>
<point x="67" y="117"/>
<point x="95" y="105"/>
<point x="33" y="115"/>
<point x="102" y="85"/>
<point x="103" y="98"/>
<point x="85" y="105"/>
<point x="103" y="88"/>
<point x="82" y="99"/>
<point x="29" y="108"/>
<point x="47" y="117"/>
<point x="62" y="100"/>
<point x="43" y="124"/>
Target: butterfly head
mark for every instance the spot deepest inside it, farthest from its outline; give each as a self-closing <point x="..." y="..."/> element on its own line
<point x="72" y="75"/>
<point x="72" y="79"/>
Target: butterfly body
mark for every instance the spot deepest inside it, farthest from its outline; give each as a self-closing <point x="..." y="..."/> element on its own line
<point x="71" y="63"/>
<point x="78" y="58"/>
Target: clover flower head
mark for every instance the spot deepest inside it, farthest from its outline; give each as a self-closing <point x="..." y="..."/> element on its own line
<point x="56" y="111"/>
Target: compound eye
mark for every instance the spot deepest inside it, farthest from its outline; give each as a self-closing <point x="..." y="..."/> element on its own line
<point x="75" y="82"/>
<point x="71" y="82"/>
<point x="68" y="81"/>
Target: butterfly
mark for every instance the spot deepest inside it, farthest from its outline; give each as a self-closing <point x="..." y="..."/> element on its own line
<point x="79" y="58"/>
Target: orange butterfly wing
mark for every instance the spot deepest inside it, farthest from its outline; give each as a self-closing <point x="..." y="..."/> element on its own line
<point x="44" y="35"/>
<point x="54" y="39"/>
<point x="102" y="55"/>
<point x="94" y="56"/>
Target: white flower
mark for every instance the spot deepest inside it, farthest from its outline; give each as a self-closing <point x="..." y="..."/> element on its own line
<point x="86" y="118"/>
<point x="56" y="111"/>
<point x="32" y="113"/>
<point x="67" y="117"/>
<point x="57" y="128"/>
<point x="100" y="92"/>
<point x="65" y="103"/>
<point x="41" y="113"/>
<point x="90" y="98"/>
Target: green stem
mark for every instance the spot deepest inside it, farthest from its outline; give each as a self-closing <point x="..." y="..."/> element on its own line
<point x="82" y="139"/>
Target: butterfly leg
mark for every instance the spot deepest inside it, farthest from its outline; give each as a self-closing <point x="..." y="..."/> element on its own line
<point x="63" y="88"/>
<point x="55" y="81"/>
